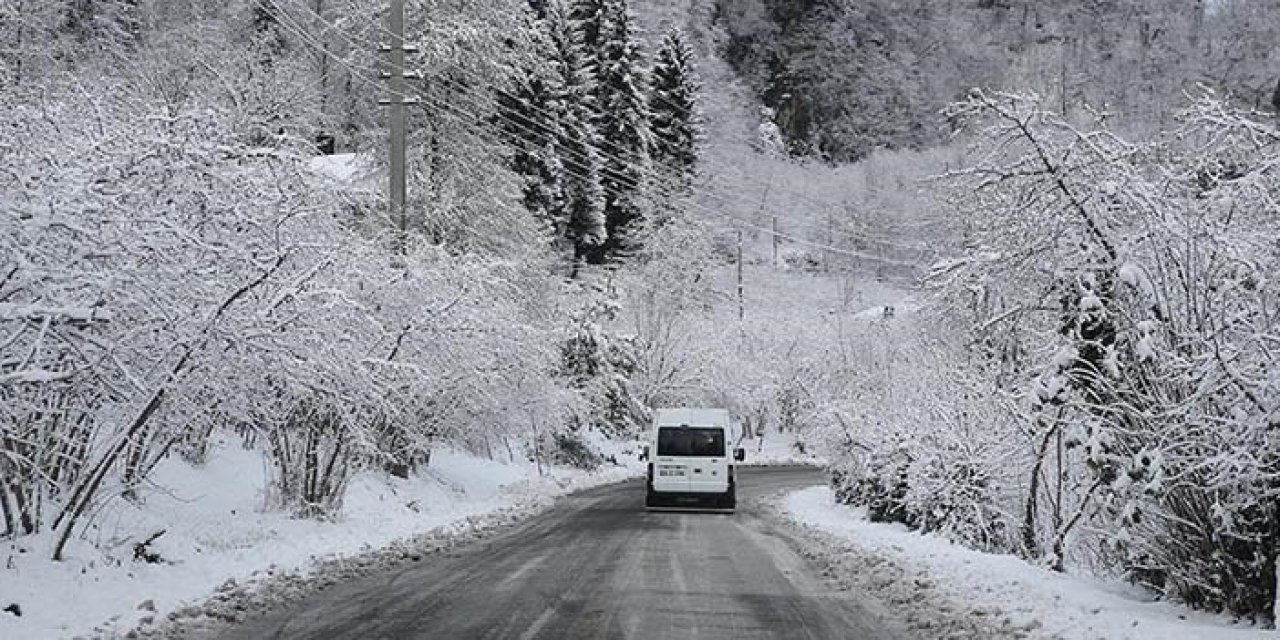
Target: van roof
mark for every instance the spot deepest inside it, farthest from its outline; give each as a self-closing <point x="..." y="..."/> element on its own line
<point x="696" y="417"/>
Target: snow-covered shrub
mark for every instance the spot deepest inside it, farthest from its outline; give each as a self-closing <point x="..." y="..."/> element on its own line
<point x="958" y="490"/>
<point x="568" y="447"/>
<point x="599" y="362"/>
<point x="881" y="483"/>
<point x="1140" y="276"/>
<point x="922" y="439"/>
<point x="170" y="267"/>
<point x="311" y="451"/>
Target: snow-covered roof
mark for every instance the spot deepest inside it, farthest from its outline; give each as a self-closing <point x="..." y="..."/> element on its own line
<point x="694" y="417"/>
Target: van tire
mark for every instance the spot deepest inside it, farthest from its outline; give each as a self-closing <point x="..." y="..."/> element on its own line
<point x="651" y="500"/>
<point x="728" y="500"/>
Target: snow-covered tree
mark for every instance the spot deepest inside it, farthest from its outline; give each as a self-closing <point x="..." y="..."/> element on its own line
<point x="108" y="20"/>
<point x="531" y="115"/>
<point x="589" y="18"/>
<point x="1137" y="268"/>
<point x="579" y="155"/>
<point x="598" y="362"/>
<point x="185" y="272"/>
<point x="622" y="117"/>
<point x="676" y="123"/>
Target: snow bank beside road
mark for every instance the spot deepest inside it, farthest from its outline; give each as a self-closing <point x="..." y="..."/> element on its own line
<point x="778" y="449"/>
<point x="215" y="530"/>
<point x="1033" y="602"/>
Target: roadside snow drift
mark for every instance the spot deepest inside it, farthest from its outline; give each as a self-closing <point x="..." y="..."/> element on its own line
<point x="1030" y="601"/>
<point x="215" y="530"/>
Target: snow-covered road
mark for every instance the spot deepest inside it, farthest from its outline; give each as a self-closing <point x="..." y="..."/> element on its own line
<point x="597" y="566"/>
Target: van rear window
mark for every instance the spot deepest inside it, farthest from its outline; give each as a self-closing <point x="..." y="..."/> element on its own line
<point x="691" y="441"/>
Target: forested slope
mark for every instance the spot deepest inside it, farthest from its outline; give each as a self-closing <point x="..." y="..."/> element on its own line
<point x="848" y="77"/>
<point x="178" y="263"/>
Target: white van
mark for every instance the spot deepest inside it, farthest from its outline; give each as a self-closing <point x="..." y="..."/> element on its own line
<point x="689" y="459"/>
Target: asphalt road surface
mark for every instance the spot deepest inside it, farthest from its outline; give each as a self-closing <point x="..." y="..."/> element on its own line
<point x="599" y="566"/>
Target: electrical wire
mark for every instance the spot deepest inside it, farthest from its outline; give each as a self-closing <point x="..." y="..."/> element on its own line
<point x="602" y="145"/>
<point x="794" y="195"/>
<point x="361" y="72"/>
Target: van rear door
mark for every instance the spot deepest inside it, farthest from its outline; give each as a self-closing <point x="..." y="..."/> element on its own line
<point x="671" y="471"/>
<point x="691" y="459"/>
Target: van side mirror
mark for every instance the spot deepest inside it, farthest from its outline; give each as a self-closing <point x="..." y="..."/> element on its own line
<point x="644" y="453"/>
<point x="739" y="454"/>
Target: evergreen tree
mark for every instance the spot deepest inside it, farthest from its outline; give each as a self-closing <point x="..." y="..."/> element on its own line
<point x="266" y="27"/>
<point x="264" y="18"/>
<point x="623" y="121"/>
<point x="531" y="115"/>
<point x="115" y="20"/>
<point x="588" y="17"/>
<point x="583" y="191"/>
<point x="675" y="122"/>
<point x="539" y="8"/>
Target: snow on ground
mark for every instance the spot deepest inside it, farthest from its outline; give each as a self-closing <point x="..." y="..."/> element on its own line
<point x="349" y="170"/>
<point x="1010" y="596"/>
<point x="216" y="529"/>
<point x="777" y="449"/>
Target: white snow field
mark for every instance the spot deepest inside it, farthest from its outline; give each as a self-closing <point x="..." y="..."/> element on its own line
<point x="1031" y="601"/>
<point x="216" y="530"/>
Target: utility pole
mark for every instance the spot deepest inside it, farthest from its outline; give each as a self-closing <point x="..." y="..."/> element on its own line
<point x="397" y="101"/>
<point x="775" y="241"/>
<point x="826" y="251"/>
<point x="324" y="60"/>
<point x="742" y="308"/>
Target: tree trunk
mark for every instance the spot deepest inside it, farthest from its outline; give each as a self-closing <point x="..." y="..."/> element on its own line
<point x="86" y="489"/>
<point x="1029" y="538"/>
<point x="133" y="462"/>
<point x="6" y="512"/>
<point x="1060" y="539"/>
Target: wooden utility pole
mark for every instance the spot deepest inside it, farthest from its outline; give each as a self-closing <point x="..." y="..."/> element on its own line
<point x="775" y="241"/>
<point x="742" y="308"/>
<point x="324" y="59"/>
<point x="397" y="101"/>
<point x="826" y="251"/>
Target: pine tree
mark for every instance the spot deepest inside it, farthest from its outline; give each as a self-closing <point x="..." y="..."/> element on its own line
<point x="110" y="19"/>
<point x="264" y="18"/>
<point x="676" y="124"/>
<point x="531" y="115"/>
<point x="622" y="116"/>
<point x="583" y="190"/>
<point x="266" y="27"/>
<point x="539" y="8"/>
<point x="588" y="17"/>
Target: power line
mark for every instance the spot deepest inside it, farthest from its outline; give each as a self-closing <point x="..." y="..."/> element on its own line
<point x="795" y="195"/>
<point x="615" y="157"/>
<point x="546" y="131"/>
<point x="309" y="41"/>
<point x="459" y="113"/>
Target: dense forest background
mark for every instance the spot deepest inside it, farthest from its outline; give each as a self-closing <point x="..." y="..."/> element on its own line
<point x="901" y="63"/>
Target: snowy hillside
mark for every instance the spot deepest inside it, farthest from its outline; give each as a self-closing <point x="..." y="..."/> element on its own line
<point x="204" y="527"/>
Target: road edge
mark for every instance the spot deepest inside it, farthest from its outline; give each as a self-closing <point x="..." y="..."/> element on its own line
<point x="896" y="593"/>
<point x="275" y="589"/>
